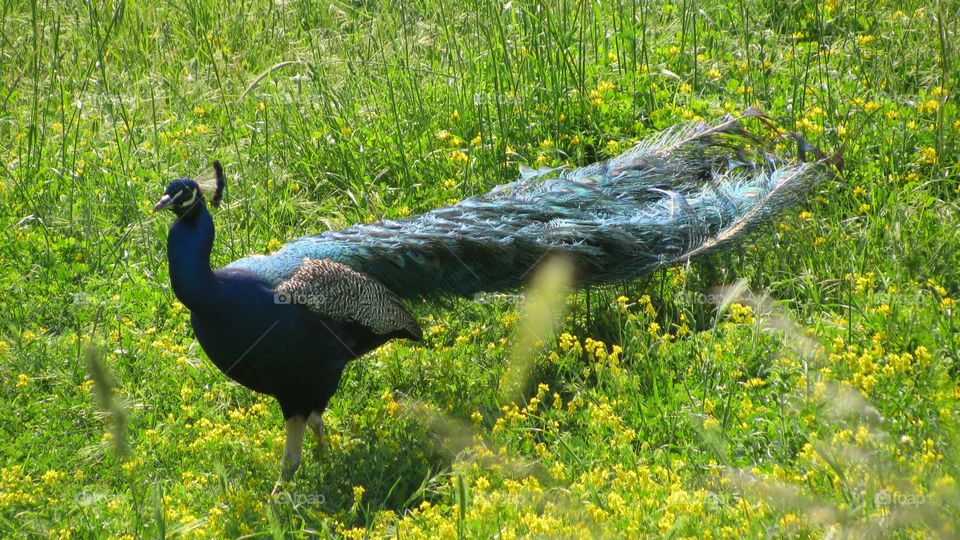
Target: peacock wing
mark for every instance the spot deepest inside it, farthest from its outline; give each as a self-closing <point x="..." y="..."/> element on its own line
<point x="343" y="294"/>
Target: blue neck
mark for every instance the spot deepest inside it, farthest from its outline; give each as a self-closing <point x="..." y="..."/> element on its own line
<point x="188" y="254"/>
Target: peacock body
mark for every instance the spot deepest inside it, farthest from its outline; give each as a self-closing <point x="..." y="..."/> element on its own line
<point x="286" y="324"/>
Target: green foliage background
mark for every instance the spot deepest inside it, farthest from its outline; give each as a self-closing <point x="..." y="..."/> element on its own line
<point x="654" y="413"/>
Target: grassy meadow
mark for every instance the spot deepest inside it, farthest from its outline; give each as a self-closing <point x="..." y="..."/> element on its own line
<point x="821" y="399"/>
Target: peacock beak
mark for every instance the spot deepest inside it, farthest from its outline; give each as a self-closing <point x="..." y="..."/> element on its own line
<point x="163" y="202"/>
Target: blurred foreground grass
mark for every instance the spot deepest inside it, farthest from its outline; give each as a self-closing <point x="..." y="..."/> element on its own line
<point x="831" y="411"/>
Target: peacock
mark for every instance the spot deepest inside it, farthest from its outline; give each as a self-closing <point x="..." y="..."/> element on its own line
<point x="287" y="324"/>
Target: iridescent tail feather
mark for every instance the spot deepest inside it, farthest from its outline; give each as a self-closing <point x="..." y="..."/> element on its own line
<point x="685" y="192"/>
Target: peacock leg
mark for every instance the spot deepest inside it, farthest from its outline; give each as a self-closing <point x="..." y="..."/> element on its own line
<point x="290" y="461"/>
<point x="315" y="421"/>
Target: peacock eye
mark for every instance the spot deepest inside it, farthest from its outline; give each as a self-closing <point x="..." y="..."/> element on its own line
<point x="188" y="202"/>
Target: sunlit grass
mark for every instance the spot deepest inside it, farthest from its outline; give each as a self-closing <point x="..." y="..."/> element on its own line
<point x="821" y="399"/>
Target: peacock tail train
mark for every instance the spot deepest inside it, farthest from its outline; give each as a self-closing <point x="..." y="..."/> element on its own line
<point x="684" y="192"/>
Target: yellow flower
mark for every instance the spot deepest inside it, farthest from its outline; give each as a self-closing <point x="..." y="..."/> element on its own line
<point x="51" y="477"/>
<point x="928" y="156"/>
<point x="558" y="471"/>
<point x="459" y="157"/>
<point x="741" y="314"/>
<point x="392" y="406"/>
<point x="806" y="215"/>
<point x="274" y="245"/>
<point x="605" y="86"/>
<point x="929" y="106"/>
<point x="615" y="352"/>
<point x="806" y="124"/>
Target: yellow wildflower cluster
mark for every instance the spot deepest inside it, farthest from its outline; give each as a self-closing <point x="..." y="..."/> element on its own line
<point x="927" y="156"/>
<point x="569" y="342"/>
<point x="809" y="126"/>
<point x="16" y="488"/>
<point x="598" y="351"/>
<point x="459" y="157"/>
<point x="862" y="282"/>
<point x="647" y="305"/>
<point x="597" y="94"/>
<point x="741" y="314"/>
<point x="929" y="107"/>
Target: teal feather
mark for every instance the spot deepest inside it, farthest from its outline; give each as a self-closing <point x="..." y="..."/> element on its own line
<point x="685" y="192"/>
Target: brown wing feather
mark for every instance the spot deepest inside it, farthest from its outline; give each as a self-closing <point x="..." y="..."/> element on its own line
<point x="341" y="293"/>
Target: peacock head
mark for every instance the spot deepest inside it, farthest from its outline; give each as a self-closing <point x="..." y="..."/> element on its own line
<point x="183" y="195"/>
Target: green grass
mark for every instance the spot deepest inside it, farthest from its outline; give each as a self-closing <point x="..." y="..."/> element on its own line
<point x="834" y="412"/>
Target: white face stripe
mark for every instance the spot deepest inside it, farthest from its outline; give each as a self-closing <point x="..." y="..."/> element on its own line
<point x="193" y="197"/>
